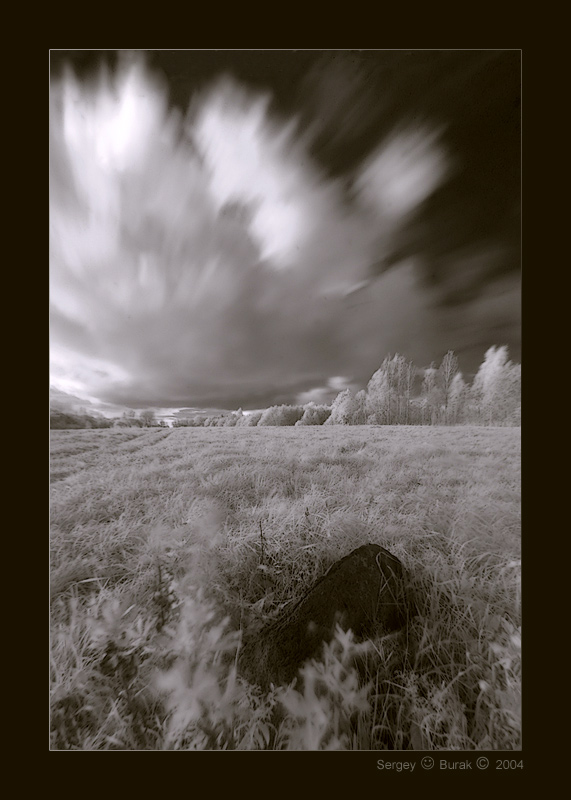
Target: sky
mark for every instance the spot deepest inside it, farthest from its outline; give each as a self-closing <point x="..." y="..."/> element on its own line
<point x="240" y="229"/>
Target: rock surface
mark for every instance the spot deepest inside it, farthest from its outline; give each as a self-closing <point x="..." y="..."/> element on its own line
<point x="364" y="592"/>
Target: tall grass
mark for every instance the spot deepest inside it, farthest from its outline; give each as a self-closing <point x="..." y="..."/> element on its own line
<point x="167" y="546"/>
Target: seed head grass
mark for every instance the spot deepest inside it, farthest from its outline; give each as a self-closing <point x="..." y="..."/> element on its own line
<point x="168" y="547"/>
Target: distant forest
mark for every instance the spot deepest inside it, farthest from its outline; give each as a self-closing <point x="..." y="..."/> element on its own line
<point x="445" y="398"/>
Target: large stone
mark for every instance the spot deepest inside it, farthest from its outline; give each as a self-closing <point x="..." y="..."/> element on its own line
<point x="363" y="592"/>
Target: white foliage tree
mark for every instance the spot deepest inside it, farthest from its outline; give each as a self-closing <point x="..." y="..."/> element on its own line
<point x="251" y="420"/>
<point x="281" y="415"/>
<point x="508" y="399"/>
<point x="389" y="392"/>
<point x="360" y="408"/>
<point x="447" y="371"/>
<point x="377" y="405"/>
<point x="457" y="399"/>
<point x="314" y="414"/>
<point x="343" y="409"/>
<point x="496" y="388"/>
<point x="432" y="396"/>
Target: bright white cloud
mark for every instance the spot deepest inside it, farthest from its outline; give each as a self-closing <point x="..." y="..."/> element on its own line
<point x="253" y="159"/>
<point x="116" y="122"/>
<point x="402" y="172"/>
<point x="249" y="160"/>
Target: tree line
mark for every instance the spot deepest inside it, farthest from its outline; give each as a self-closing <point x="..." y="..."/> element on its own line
<point x="398" y="393"/>
<point x="393" y="396"/>
<point x="68" y="421"/>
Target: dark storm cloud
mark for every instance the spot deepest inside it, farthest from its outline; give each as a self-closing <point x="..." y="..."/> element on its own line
<point x="234" y="253"/>
<point x="467" y="232"/>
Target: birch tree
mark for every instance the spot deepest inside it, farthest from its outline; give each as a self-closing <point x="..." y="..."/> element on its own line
<point x="457" y="400"/>
<point x="431" y="395"/>
<point x="489" y="385"/>
<point x="342" y="409"/>
<point x="448" y="369"/>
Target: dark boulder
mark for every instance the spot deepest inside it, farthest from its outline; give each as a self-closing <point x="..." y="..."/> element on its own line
<point x="364" y="592"/>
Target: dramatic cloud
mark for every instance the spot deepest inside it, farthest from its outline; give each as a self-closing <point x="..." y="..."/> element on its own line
<point x="206" y="258"/>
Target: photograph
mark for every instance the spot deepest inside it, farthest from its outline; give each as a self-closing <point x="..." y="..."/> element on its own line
<point x="328" y="241"/>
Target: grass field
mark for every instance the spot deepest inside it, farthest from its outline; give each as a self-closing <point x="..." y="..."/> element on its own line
<point x="167" y="544"/>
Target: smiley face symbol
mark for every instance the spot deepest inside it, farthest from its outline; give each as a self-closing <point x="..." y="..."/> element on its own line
<point x="427" y="762"/>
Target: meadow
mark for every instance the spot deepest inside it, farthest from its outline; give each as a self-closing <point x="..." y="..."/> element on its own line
<point x="167" y="545"/>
